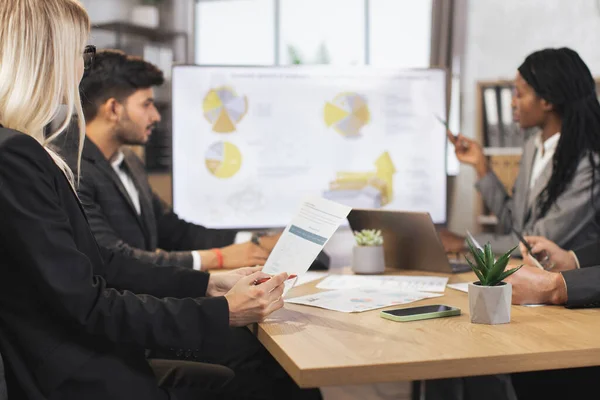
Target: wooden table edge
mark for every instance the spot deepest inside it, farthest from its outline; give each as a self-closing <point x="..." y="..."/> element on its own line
<point x="423" y="370"/>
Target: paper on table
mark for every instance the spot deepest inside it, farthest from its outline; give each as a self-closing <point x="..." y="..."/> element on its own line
<point x="310" y="276"/>
<point x="358" y="300"/>
<point x="305" y="236"/>
<point x="463" y="286"/>
<point x="407" y="283"/>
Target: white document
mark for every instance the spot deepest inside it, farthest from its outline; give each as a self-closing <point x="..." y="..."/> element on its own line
<point x="310" y="276"/>
<point x="305" y="236"/>
<point x="358" y="300"/>
<point x="463" y="286"/>
<point x="399" y="283"/>
<point x="475" y="242"/>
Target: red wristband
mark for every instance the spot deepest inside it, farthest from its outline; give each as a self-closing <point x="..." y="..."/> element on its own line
<point x="219" y="257"/>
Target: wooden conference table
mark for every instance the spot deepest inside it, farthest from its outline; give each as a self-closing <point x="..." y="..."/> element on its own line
<point x="319" y="347"/>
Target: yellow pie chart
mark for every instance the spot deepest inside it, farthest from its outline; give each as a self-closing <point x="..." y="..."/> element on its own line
<point x="224" y="109"/>
<point x="347" y="113"/>
<point x="223" y="159"/>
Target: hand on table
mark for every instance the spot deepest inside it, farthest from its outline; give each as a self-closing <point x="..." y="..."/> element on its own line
<point x="268" y="242"/>
<point x="235" y="256"/>
<point x="531" y="285"/>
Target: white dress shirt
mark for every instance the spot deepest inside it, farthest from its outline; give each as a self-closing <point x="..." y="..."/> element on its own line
<point x="543" y="155"/>
<point x="134" y="195"/>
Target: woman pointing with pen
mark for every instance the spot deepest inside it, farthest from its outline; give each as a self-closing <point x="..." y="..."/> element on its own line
<point x="556" y="193"/>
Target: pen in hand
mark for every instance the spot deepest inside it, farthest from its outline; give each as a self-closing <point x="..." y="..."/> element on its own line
<point x="263" y="280"/>
<point x="454" y="139"/>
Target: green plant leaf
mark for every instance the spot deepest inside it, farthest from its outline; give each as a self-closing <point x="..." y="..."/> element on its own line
<point x="489" y="257"/>
<point x="500" y="266"/>
<point x="479" y="274"/>
<point x="506" y="274"/>
<point x="477" y="254"/>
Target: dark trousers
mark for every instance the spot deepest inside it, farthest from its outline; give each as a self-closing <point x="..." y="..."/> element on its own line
<point x="257" y="375"/>
<point x="561" y="384"/>
<point x="183" y="380"/>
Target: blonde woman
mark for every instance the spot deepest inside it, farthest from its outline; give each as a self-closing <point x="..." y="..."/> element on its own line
<point x="71" y="323"/>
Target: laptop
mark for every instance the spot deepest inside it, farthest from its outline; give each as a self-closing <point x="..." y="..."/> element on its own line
<point x="410" y="240"/>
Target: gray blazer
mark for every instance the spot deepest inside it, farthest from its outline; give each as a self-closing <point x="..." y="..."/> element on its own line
<point x="570" y="221"/>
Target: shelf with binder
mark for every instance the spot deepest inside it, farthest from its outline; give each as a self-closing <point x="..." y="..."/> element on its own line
<point x="502" y="139"/>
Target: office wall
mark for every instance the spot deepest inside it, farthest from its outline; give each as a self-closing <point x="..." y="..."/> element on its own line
<point x="500" y="34"/>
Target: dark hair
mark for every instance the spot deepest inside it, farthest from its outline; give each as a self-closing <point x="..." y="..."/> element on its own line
<point x="560" y="77"/>
<point x="113" y="74"/>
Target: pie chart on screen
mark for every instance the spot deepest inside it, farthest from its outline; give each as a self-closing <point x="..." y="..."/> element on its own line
<point x="223" y="159"/>
<point x="347" y="113"/>
<point x="224" y="109"/>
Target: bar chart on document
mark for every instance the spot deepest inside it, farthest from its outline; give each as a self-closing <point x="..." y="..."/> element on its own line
<point x="250" y="143"/>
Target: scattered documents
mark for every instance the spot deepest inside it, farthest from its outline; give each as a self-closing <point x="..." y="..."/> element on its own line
<point x="358" y="300"/>
<point x="398" y="283"/>
<point x="463" y="286"/>
<point x="305" y="236"/>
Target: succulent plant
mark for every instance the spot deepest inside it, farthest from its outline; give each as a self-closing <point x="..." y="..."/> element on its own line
<point x="368" y="237"/>
<point x="490" y="272"/>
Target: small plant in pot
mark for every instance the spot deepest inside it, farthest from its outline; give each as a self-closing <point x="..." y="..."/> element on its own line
<point x="367" y="255"/>
<point x="490" y="298"/>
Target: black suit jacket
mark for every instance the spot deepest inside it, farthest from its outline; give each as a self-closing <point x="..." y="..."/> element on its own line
<point x="583" y="285"/>
<point x="116" y="224"/>
<point x="71" y="309"/>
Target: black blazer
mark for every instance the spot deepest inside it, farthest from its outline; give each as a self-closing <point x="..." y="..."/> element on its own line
<point x="116" y="224"/>
<point x="583" y="285"/>
<point x="70" y="310"/>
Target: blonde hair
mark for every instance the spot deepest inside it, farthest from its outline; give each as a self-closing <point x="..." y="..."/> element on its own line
<point x="40" y="41"/>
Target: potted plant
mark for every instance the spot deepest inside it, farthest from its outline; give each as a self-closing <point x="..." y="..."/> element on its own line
<point x="146" y="14"/>
<point x="490" y="297"/>
<point x="367" y="255"/>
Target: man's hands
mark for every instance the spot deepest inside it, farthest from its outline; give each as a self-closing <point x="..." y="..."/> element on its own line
<point x="531" y="285"/>
<point x="249" y="303"/>
<point x="221" y="283"/>
<point x="268" y="242"/>
<point x="561" y="259"/>
<point x="452" y="242"/>
<point x="469" y="152"/>
<point x="235" y="256"/>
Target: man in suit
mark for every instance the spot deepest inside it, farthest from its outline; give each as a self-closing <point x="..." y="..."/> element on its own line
<point x="123" y="211"/>
<point x="573" y="279"/>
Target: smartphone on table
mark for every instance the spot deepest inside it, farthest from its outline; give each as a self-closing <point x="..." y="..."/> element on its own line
<point x="419" y="313"/>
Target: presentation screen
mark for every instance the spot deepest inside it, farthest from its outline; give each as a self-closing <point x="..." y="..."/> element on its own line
<point x="250" y="143"/>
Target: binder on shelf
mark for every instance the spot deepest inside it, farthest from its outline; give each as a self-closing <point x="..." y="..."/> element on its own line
<point x="492" y="120"/>
<point x="512" y="134"/>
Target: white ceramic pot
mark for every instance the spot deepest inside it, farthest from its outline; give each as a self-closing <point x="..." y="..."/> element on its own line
<point x="146" y="16"/>
<point x="368" y="260"/>
<point x="490" y="304"/>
